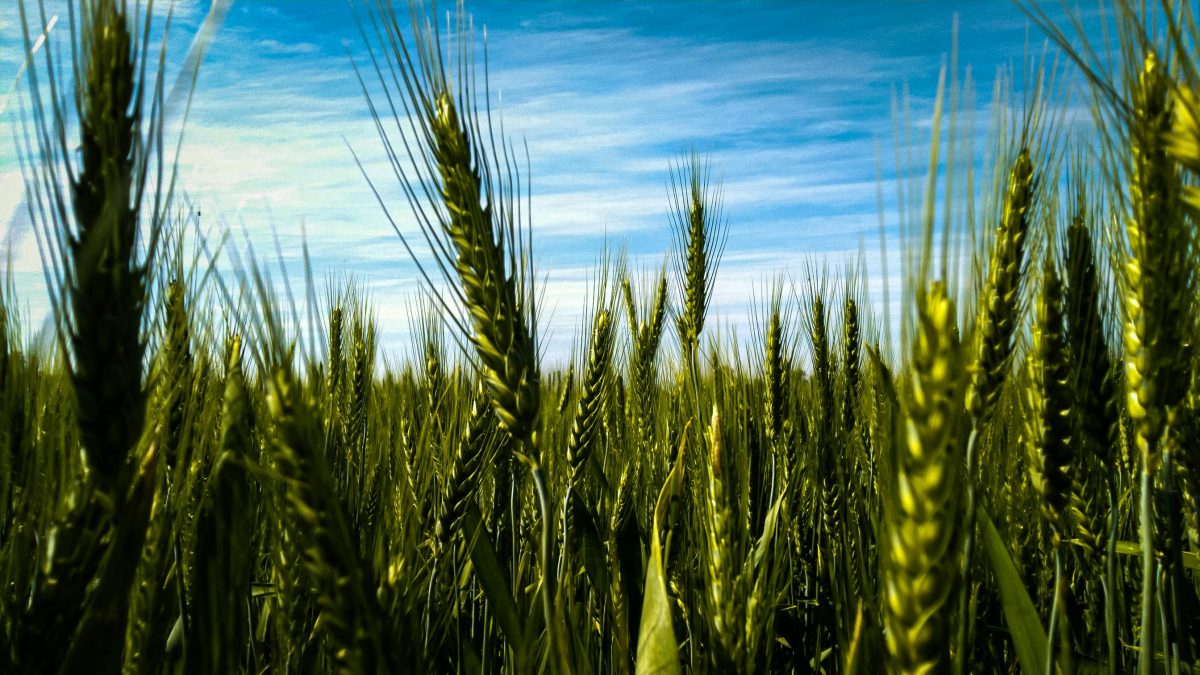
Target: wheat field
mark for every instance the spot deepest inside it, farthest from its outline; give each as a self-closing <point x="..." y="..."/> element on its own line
<point x="193" y="479"/>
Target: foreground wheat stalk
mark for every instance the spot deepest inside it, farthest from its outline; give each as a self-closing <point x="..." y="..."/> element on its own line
<point x="923" y="520"/>
<point x="1155" y="309"/>
<point x="999" y="314"/>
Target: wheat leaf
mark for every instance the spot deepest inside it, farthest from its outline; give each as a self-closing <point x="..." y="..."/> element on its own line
<point x="587" y="542"/>
<point x="1024" y="624"/>
<point x="658" y="652"/>
<point x="492" y="578"/>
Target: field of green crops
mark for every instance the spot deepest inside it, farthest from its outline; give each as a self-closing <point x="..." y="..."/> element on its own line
<point x="193" y="478"/>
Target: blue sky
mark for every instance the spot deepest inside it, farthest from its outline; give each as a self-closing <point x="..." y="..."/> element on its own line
<point x="791" y="102"/>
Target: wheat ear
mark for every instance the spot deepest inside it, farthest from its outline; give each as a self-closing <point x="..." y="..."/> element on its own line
<point x="924" y="515"/>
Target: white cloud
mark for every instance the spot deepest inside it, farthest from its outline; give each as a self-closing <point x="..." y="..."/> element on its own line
<point x="277" y="48"/>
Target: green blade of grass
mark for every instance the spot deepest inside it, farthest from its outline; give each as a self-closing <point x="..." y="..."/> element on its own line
<point x="492" y="578"/>
<point x="587" y="543"/>
<point x="1024" y="624"/>
<point x="1191" y="560"/>
<point x="658" y="651"/>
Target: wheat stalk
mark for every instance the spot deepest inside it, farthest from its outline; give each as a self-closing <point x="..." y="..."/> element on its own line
<point x="224" y="529"/>
<point x="721" y="550"/>
<point x="1158" y="275"/>
<point x="999" y="313"/>
<point x="88" y="227"/>
<point x="585" y="428"/>
<point x="1094" y="378"/>
<point x="1048" y="428"/>
<point x="92" y="226"/>
<point x="851" y="352"/>
<point x="776" y="368"/>
<point x="462" y="479"/>
<point x="349" y="613"/>
<point x="999" y="307"/>
<point x="646" y="335"/>
<point x="1048" y="432"/>
<point x="923" y="519"/>
<point x="699" y="239"/>
<point x="474" y="228"/>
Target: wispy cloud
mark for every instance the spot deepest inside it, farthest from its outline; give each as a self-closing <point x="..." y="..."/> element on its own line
<point x="791" y="104"/>
<point x="277" y="48"/>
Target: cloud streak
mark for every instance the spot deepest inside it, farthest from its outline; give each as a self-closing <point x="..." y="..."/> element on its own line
<point x="792" y="104"/>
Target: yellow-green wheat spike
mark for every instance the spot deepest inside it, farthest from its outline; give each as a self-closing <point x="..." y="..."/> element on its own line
<point x="1158" y="300"/>
<point x="999" y="304"/>
<point x="1048" y="426"/>
<point x="923" y="521"/>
